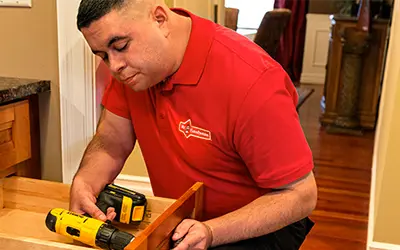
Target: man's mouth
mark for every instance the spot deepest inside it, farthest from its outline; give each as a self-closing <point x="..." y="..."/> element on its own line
<point x="128" y="78"/>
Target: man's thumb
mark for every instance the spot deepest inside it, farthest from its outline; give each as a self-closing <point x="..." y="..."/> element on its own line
<point x="94" y="211"/>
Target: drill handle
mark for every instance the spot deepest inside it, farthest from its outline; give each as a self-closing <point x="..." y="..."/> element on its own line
<point x="103" y="206"/>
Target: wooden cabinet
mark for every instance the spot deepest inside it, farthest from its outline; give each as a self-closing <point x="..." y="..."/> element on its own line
<point x="25" y="202"/>
<point x="371" y="72"/>
<point x="15" y="141"/>
<point x="19" y="126"/>
<point x="20" y="138"/>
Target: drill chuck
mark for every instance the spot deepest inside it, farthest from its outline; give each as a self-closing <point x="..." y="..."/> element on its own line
<point x="109" y="237"/>
<point x="87" y="230"/>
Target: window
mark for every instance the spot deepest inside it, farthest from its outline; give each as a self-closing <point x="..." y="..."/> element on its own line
<point x="251" y="12"/>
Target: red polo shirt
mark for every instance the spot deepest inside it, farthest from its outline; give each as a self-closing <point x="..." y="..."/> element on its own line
<point x="227" y="118"/>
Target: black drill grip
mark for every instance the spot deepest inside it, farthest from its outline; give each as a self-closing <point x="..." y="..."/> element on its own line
<point x="103" y="206"/>
<point x="104" y="201"/>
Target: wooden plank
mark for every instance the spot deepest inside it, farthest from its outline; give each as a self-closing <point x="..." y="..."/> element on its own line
<point x="35" y="195"/>
<point x="157" y="235"/>
<point x="1" y="194"/>
<point x="30" y="225"/>
<point x="32" y="167"/>
<point x="21" y="131"/>
<point x="27" y="199"/>
<point x="8" y="242"/>
<point x="198" y="206"/>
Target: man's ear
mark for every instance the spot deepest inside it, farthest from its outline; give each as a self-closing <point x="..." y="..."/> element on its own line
<point x="161" y="17"/>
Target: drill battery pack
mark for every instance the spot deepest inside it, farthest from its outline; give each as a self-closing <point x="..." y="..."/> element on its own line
<point x="130" y="206"/>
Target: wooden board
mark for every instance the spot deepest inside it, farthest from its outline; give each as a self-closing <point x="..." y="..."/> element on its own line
<point x="26" y="202"/>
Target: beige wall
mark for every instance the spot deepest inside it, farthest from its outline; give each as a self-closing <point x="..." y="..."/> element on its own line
<point x="387" y="202"/>
<point x="28" y="48"/>
<point x="135" y="164"/>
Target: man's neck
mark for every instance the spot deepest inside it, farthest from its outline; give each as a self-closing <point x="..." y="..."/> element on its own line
<point x="180" y="37"/>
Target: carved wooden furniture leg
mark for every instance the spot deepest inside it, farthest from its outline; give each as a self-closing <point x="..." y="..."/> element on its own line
<point x="355" y="43"/>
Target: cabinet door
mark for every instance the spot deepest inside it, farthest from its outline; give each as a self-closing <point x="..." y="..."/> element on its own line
<point x="15" y="141"/>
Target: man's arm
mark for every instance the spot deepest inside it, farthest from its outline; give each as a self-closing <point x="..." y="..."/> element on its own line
<point x="102" y="162"/>
<point x="266" y="214"/>
<point x="107" y="152"/>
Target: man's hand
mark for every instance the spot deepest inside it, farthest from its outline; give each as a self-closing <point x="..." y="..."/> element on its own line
<point x="196" y="235"/>
<point x="83" y="200"/>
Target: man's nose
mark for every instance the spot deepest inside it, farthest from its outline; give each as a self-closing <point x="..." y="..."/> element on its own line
<point x="116" y="64"/>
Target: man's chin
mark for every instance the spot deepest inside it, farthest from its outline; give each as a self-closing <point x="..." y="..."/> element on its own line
<point x="137" y="87"/>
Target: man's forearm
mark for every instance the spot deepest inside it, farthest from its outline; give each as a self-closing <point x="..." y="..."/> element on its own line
<point x="101" y="163"/>
<point x="264" y="215"/>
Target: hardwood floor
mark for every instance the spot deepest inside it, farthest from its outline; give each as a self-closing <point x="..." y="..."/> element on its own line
<point x="343" y="173"/>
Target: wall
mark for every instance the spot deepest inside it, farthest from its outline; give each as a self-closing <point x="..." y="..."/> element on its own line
<point x="316" y="48"/>
<point x="28" y="48"/>
<point x="323" y="7"/>
<point x="386" y="215"/>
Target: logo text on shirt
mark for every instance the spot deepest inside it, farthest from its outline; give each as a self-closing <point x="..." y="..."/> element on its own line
<point x="189" y="130"/>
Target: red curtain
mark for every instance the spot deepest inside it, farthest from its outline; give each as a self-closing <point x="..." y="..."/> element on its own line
<point x="291" y="47"/>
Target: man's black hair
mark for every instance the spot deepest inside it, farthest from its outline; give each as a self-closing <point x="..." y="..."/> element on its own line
<point x="92" y="10"/>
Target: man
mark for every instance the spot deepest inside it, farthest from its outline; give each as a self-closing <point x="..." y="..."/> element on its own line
<point x="206" y="104"/>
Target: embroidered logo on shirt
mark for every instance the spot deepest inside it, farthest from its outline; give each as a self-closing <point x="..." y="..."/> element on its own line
<point x="188" y="130"/>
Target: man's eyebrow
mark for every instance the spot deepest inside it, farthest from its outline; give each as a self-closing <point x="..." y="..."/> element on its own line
<point x="115" y="39"/>
<point x="112" y="40"/>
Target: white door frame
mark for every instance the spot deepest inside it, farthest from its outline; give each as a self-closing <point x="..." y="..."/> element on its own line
<point x="390" y="86"/>
<point x="77" y="91"/>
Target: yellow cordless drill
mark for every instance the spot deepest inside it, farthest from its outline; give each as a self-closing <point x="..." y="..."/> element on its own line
<point x="130" y="207"/>
<point x="90" y="231"/>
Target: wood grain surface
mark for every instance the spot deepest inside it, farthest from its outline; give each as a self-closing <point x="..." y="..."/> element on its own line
<point x="343" y="173"/>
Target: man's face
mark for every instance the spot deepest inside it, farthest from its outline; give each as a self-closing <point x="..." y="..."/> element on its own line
<point x="136" y="50"/>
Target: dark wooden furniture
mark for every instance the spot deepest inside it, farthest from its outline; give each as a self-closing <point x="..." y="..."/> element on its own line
<point x="231" y="18"/>
<point x="339" y="72"/>
<point x="19" y="126"/>
<point x="271" y="29"/>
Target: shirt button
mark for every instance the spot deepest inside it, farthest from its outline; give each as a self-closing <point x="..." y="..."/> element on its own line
<point x="162" y="115"/>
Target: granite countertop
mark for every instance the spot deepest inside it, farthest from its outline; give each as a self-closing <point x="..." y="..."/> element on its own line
<point x="12" y="88"/>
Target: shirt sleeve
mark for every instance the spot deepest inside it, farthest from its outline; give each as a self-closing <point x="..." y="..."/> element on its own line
<point x="114" y="99"/>
<point x="268" y="135"/>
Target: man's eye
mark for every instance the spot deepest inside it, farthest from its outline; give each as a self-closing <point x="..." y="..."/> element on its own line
<point x="122" y="48"/>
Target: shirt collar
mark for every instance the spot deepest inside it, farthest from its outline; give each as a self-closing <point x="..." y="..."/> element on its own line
<point x="197" y="50"/>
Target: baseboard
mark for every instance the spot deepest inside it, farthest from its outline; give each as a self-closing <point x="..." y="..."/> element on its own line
<point x="139" y="184"/>
<point x="312" y="78"/>
<point x="382" y="246"/>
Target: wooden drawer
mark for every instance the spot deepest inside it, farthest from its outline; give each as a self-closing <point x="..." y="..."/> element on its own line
<point x="15" y="141"/>
<point x="25" y="202"/>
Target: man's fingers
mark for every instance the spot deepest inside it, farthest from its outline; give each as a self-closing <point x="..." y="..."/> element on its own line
<point x="111" y="214"/>
<point x="94" y="211"/>
<point x="189" y="242"/>
<point x="182" y="229"/>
